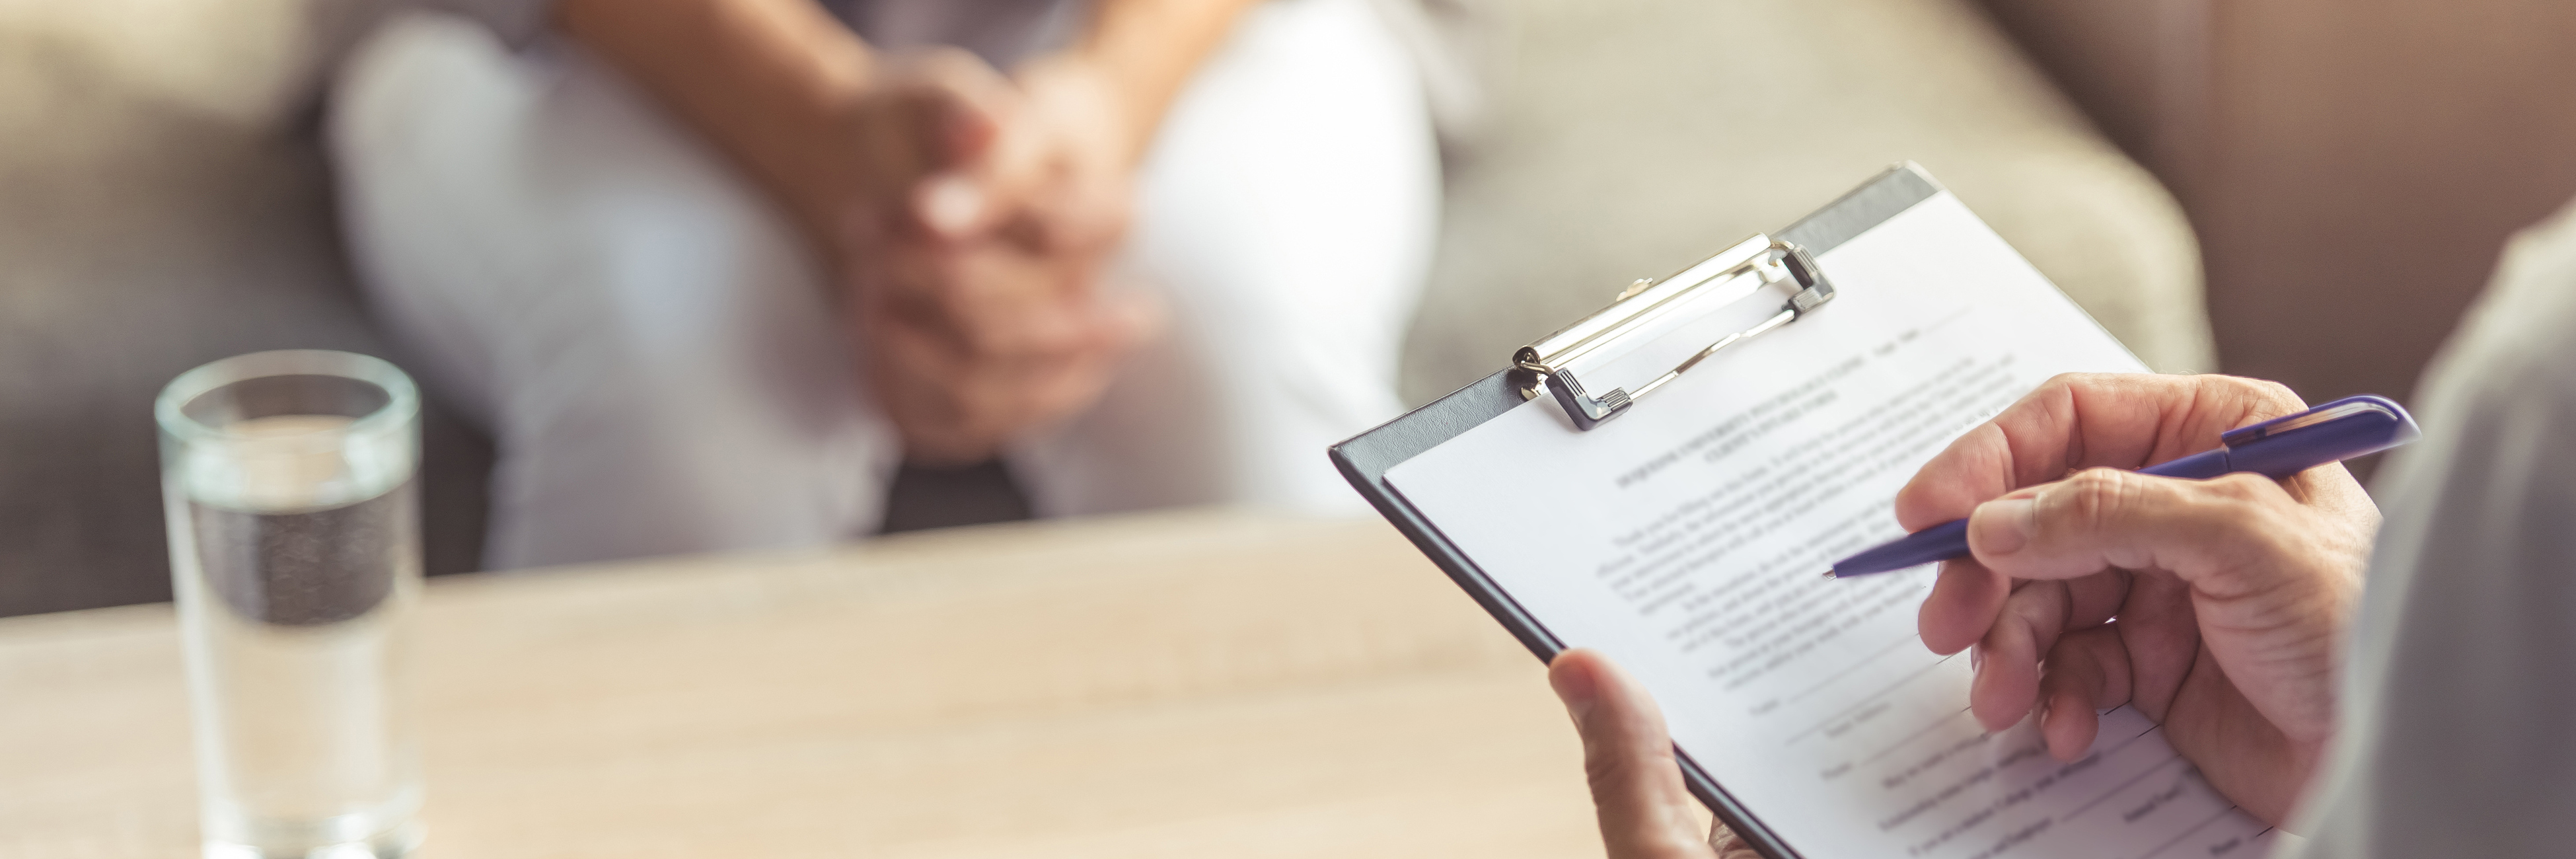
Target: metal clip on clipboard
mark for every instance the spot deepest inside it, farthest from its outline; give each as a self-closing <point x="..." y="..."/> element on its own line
<point x="1585" y="347"/>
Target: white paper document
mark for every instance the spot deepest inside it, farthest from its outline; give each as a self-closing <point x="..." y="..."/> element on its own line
<point x="1686" y="539"/>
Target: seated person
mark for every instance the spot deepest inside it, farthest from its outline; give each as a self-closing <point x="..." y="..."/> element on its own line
<point x="709" y="271"/>
<point x="2427" y="719"/>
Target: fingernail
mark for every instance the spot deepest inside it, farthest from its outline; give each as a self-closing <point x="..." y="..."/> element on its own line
<point x="1581" y="692"/>
<point x="2004" y="525"/>
<point x="950" y="203"/>
<point x="1976" y="658"/>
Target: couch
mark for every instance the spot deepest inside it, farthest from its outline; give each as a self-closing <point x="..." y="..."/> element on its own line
<point x="163" y="204"/>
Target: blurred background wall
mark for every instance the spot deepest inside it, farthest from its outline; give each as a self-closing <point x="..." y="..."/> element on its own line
<point x="2352" y="167"/>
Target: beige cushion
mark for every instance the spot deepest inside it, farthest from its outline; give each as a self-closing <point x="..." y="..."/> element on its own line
<point x="1637" y="136"/>
<point x="160" y="207"/>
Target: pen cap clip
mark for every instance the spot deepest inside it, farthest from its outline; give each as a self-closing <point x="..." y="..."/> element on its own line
<point x="2343" y="429"/>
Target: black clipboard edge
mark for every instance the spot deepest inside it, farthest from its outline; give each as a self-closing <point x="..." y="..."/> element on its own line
<point x="1365" y="458"/>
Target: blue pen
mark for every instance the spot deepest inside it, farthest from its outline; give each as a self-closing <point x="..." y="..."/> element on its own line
<point x="2277" y="448"/>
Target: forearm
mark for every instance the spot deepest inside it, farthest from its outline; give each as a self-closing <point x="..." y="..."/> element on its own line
<point x="1149" y="48"/>
<point x="764" y="80"/>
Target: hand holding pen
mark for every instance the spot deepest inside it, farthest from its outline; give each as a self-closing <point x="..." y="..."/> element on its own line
<point x="2276" y="448"/>
<point x="2215" y="607"/>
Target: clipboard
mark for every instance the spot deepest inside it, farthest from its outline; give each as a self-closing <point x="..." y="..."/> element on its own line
<point x="1365" y="459"/>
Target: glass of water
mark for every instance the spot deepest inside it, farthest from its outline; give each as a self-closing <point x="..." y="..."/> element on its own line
<point x="287" y="479"/>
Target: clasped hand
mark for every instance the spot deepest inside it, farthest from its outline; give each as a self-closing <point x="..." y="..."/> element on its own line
<point x="975" y="243"/>
<point x="2216" y="608"/>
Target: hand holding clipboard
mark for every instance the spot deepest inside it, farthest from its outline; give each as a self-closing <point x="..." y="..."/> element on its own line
<point x="1682" y="538"/>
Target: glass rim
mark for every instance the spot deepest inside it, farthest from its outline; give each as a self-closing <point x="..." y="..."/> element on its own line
<point x="401" y="407"/>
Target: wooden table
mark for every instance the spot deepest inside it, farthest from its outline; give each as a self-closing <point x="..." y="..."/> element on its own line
<point x="1194" y="684"/>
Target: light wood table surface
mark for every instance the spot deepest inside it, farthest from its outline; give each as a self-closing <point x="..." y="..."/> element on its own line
<point x="1194" y="684"/>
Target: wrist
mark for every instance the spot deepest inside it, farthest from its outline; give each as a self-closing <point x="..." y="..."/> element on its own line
<point x="1094" y="90"/>
<point x="765" y="81"/>
<point x="1148" y="50"/>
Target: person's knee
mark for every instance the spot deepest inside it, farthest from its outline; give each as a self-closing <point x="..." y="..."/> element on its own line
<point x="403" y="87"/>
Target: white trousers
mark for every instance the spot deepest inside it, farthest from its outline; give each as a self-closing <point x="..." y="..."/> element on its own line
<point x="648" y="341"/>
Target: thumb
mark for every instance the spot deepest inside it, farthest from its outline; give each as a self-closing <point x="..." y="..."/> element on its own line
<point x="952" y="204"/>
<point x="1637" y="791"/>
<point x="955" y="198"/>
<point x="954" y="114"/>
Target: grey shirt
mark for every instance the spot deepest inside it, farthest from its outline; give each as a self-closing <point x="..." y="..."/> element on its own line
<point x="1003" y="32"/>
<point x="2459" y="731"/>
